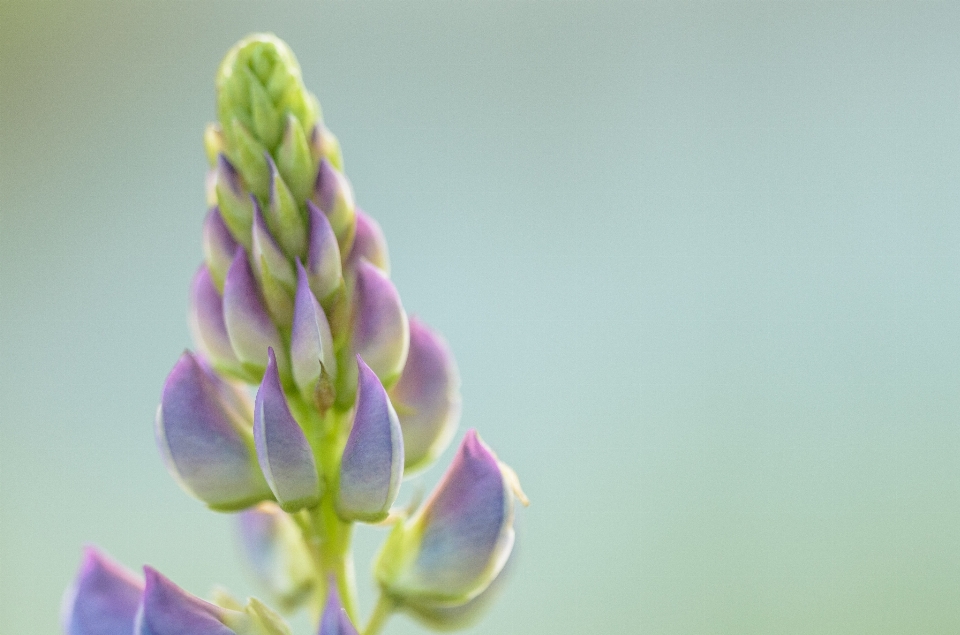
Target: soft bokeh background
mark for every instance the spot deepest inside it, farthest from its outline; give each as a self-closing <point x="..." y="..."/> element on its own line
<point x="698" y="263"/>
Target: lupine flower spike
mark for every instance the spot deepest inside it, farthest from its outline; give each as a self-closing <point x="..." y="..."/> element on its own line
<point x="293" y="302"/>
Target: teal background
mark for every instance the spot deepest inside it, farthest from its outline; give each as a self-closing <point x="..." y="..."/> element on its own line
<point x="698" y="264"/>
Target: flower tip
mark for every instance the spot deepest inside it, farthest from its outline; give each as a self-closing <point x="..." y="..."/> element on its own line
<point x="166" y="609"/>
<point x="103" y="598"/>
<point x="334" y="619"/>
<point x="284" y="454"/>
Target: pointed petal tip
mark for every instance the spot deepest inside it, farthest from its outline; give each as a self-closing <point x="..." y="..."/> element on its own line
<point x="311" y="341"/>
<point x="334" y="619"/>
<point x="167" y="609"/>
<point x="283" y="452"/>
<point x="372" y="465"/>
<point x="103" y="597"/>
<point x="248" y="323"/>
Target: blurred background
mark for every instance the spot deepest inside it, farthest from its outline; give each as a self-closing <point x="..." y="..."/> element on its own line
<point x="699" y="264"/>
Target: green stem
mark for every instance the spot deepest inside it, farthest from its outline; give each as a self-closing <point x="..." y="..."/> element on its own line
<point x="381" y="613"/>
<point x="335" y="556"/>
<point x="328" y="536"/>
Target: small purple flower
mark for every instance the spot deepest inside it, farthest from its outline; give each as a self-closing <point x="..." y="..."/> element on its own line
<point x="334" y="196"/>
<point x="324" y="269"/>
<point x="103" y="599"/>
<point x="207" y="324"/>
<point x="166" y="609"/>
<point x="233" y="200"/>
<point x="334" y="620"/>
<point x="273" y="271"/>
<point x="381" y="333"/>
<point x="458" y="542"/>
<point x="285" y="455"/>
<point x="219" y="246"/>
<point x="311" y="343"/>
<point x="204" y="434"/>
<point x="372" y="464"/>
<point x="427" y="397"/>
<point x="369" y="244"/>
<point x="248" y="324"/>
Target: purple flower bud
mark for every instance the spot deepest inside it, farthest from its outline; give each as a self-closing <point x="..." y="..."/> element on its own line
<point x="369" y="243"/>
<point x="103" y="598"/>
<point x="166" y="609"/>
<point x="334" y="620"/>
<point x="276" y="553"/>
<point x="323" y="255"/>
<point x="458" y="542"/>
<point x="381" y="335"/>
<point x="234" y="202"/>
<point x="207" y="324"/>
<point x="283" y="451"/>
<point x="249" y="325"/>
<point x="333" y="195"/>
<point x="218" y="246"/>
<point x="427" y="397"/>
<point x="205" y="438"/>
<point x="372" y="465"/>
<point x="273" y="271"/>
<point x="310" y="341"/>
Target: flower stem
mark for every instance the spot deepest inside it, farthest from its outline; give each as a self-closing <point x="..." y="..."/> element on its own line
<point x="335" y="555"/>
<point x="381" y="613"/>
<point x="328" y="536"/>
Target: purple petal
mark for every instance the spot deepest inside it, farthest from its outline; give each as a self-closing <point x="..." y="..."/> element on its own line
<point x="249" y="325"/>
<point x="205" y="444"/>
<point x="323" y="255"/>
<point x="372" y="464"/>
<point x="381" y="335"/>
<point x="369" y="243"/>
<point x="207" y="323"/>
<point x="427" y="396"/>
<point x="461" y="537"/>
<point x="266" y="252"/>
<point x="233" y="201"/>
<point x="310" y="341"/>
<point x="275" y="551"/>
<point x="167" y="609"/>
<point x="334" y="196"/>
<point x="219" y="246"/>
<point x="273" y="271"/>
<point x="334" y="620"/>
<point x="103" y="598"/>
<point x="283" y="451"/>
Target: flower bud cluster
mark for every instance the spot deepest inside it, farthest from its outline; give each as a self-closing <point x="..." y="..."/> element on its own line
<point x="294" y="298"/>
